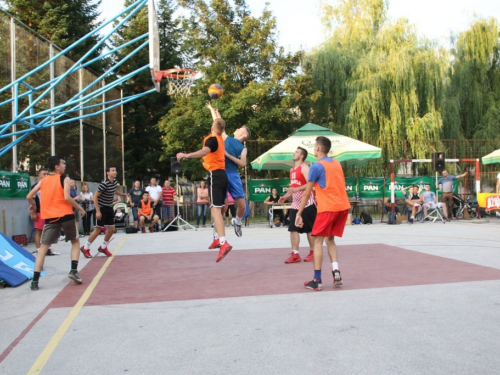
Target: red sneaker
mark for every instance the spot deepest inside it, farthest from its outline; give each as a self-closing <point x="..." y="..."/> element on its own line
<point x="143" y="230"/>
<point x="86" y="253"/>
<point x="294" y="258"/>
<point x="224" y="249"/>
<point x="215" y="244"/>
<point x="310" y="257"/>
<point x="105" y="251"/>
<point x="151" y="229"/>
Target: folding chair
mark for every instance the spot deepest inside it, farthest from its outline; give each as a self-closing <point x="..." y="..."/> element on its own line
<point x="434" y="213"/>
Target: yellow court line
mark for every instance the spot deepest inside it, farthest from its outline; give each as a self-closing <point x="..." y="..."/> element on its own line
<point x="56" y="339"/>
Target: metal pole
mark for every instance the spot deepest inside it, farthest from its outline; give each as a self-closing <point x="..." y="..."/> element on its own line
<point x="123" y="142"/>
<point x="52" y="101"/>
<point x="13" y="89"/>
<point x="104" y="130"/>
<point x="80" y="83"/>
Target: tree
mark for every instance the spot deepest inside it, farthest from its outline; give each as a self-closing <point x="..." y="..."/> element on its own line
<point x="63" y="23"/>
<point x="142" y="137"/>
<point x="262" y="87"/>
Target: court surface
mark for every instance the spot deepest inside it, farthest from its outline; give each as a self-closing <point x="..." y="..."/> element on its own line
<point x="416" y="299"/>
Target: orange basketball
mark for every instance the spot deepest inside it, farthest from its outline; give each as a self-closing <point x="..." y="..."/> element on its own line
<point x="215" y="91"/>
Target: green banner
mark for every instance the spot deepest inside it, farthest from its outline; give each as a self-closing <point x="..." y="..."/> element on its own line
<point x="259" y="190"/>
<point x="14" y="185"/>
<point x="371" y="188"/>
<point x="351" y="186"/>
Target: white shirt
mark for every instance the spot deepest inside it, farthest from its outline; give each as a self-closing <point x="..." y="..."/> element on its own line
<point x="154" y="191"/>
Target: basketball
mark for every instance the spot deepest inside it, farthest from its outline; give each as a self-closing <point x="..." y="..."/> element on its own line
<point x="215" y="91"/>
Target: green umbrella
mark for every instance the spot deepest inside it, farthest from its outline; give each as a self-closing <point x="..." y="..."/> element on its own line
<point x="494" y="157"/>
<point x="346" y="150"/>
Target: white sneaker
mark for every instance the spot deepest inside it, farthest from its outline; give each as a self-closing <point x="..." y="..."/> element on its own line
<point x="62" y="238"/>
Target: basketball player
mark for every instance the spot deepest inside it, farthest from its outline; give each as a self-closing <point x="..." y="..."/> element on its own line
<point x="298" y="182"/>
<point x="212" y="153"/>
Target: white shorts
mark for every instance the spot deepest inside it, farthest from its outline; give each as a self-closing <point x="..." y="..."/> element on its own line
<point x="433" y="204"/>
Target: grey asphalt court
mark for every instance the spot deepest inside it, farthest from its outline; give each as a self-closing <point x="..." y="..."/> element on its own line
<point x="416" y="299"/>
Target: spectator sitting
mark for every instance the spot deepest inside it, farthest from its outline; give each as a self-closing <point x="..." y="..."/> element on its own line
<point x="413" y="201"/>
<point x="271" y="200"/>
<point x="429" y="200"/>
<point x="146" y="213"/>
<point x="388" y="207"/>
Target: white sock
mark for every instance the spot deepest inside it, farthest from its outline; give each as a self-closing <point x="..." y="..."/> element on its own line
<point x="222" y="240"/>
<point x="216" y="235"/>
<point x="238" y="220"/>
<point x="335" y="266"/>
<point x="104" y="244"/>
<point x="87" y="246"/>
<point x="295" y="251"/>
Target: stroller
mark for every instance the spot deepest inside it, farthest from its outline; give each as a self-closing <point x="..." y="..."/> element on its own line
<point x="121" y="222"/>
<point x="459" y="205"/>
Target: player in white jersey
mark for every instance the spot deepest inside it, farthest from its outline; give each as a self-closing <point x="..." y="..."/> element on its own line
<point x="298" y="181"/>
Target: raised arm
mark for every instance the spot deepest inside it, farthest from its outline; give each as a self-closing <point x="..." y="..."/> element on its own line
<point x="214" y="111"/>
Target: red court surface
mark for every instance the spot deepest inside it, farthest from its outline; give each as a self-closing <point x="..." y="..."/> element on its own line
<point x="187" y="276"/>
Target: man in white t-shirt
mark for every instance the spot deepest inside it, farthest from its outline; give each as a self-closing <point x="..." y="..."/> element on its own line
<point x="155" y="194"/>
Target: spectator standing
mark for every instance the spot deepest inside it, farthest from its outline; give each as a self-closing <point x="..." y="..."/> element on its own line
<point x="446" y="185"/>
<point x="88" y="205"/>
<point x="155" y="194"/>
<point x="168" y="196"/>
<point x="134" y="197"/>
<point x="202" y="201"/>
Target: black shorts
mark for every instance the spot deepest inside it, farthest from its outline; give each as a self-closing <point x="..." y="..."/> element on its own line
<point x="231" y="209"/>
<point x="107" y="217"/>
<point x="217" y="187"/>
<point x="308" y="217"/>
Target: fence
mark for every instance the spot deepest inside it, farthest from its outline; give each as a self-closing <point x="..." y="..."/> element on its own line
<point x="87" y="145"/>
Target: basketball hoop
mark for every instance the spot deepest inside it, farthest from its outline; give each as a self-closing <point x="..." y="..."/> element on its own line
<point x="179" y="80"/>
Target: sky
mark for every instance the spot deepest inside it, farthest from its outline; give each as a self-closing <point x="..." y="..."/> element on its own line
<point x="299" y="22"/>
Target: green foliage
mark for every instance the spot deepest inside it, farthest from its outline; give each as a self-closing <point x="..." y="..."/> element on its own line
<point x="63" y="23"/>
<point x="142" y="137"/>
<point x="262" y="87"/>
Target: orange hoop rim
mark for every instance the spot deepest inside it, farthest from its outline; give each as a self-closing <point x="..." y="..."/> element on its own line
<point x="174" y="73"/>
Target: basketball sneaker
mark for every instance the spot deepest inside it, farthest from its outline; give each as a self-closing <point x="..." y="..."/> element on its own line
<point x="105" y="251"/>
<point x="34" y="285"/>
<point x="310" y="257"/>
<point x="337" y="279"/>
<point x="143" y="230"/>
<point x="151" y="229"/>
<point x="294" y="258"/>
<point x="73" y="275"/>
<point x="314" y="285"/>
<point x="215" y="244"/>
<point x="237" y="228"/>
<point x="85" y="252"/>
<point x="224" y="250"/>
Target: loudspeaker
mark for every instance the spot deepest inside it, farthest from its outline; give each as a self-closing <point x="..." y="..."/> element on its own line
<point x="175" y="166"/>
<point x="438" y="161"/>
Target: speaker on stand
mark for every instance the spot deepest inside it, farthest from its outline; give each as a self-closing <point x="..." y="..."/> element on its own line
<point x="176" y="167"/>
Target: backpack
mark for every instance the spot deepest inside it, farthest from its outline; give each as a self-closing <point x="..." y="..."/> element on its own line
<point x="356" y="221"/>
<point x="392" y="220"/>
<point x="365" y="218"/>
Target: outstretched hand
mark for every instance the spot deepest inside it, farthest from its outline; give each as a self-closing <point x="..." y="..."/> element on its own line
<point x="181" y="156"/>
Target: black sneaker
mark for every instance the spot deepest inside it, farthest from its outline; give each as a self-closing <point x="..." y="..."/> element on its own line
<point x="337" y="279"/>
<point x="73" y="275"/>
<point x="314" y="285"/>
<point x="34" y="285"/>
<point x="411" y="220"/>
<point x="237" y="228"/>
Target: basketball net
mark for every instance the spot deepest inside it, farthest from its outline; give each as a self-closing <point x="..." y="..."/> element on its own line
<point x="179" y="81"/>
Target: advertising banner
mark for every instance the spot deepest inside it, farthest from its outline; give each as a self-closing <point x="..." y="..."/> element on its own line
<point x="488" y="201"/>
<point x="351" y="186"/>
<point x="14" y="185"/>
<point x="259" y="190"/>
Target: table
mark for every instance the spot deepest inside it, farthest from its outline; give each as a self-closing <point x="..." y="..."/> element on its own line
<point x="279" y="206"/>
